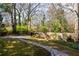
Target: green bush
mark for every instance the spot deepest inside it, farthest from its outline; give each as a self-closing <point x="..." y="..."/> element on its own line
<point x="43" y="29"/>
<point x="69" y="44"/>
<point x="21" y="29"/>
<point x="56" y="26"/>
<point x="3" y="30"/>
<point x="74" y="45"/>
<point x="60" y="25"/>
<point x="2" y="43"/>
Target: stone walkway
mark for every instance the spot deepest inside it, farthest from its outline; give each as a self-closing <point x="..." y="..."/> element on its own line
<point x="54" y="52"/>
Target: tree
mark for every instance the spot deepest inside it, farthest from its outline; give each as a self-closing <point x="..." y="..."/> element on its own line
<point x="56" y="14"/>
<point x="76" y="11"/>
<point x="31" y="10"/>
<point x="43" y="25"/>
<point x="9" y="8"/>
<point x="19" y="9"/>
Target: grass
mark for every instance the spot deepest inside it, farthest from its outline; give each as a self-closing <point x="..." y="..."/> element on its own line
<point x="14" y="47"/>
<point x="67" y="47"/>
<point x="21" y="28"/>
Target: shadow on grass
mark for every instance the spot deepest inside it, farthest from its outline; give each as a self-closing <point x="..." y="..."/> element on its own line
<point x="15" y="47"/>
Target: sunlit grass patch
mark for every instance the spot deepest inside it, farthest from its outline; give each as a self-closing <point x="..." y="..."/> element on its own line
<point x="14" y="47"/>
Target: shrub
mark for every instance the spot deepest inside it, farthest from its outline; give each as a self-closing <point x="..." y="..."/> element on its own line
<point x="43" y="29"/>
<point x="3" y="30"/>
<point x="2" y="43"/>
<point x="69" y="44"/>
<point x="21" y="29"/>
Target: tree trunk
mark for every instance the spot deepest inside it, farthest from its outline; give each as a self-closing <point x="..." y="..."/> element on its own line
<point x="27" y="21"/>
<point x="77" y="23"/>
<point x="14" y="14"/>
<point x="29" y="10"/>
<point x="19" y="19"/>
<point x="30" y="24"/>
<point x="12" y="20"/>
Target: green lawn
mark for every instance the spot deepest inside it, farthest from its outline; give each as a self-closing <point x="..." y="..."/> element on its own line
<point x="14" y="47"/>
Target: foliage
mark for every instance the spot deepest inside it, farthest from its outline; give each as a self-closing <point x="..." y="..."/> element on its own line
<point x="69" y="44"/>
<point x="22" y="29"/>
<point x="30" y="14"/>
<point x="43" y="29"/>
<point x="1" y="18"/>
<point x="56" y="26"/>
<point x="58" y="19"/>
<point x="2" y="43"/>
<point x="59" y="25"/>
<point x="6" y="7"/>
